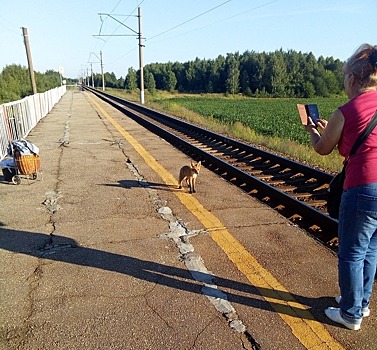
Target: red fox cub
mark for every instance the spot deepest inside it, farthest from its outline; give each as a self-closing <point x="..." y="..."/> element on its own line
<point x="189" y="173"/>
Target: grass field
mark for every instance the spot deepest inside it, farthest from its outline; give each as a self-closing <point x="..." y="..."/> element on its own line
<point x="271" y="123"/>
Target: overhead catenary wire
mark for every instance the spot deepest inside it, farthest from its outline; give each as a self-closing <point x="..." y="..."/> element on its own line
<point x="120" y="23"/>
<point x="252" y="9"/>
<point x="189" y="20"/>
<point x="11" y="27"/>
<point x="219" y="21"/>
<point x="102" y="23"/>
<point x="184" y="22"/>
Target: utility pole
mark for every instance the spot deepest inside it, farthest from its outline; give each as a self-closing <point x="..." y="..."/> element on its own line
<point x="103" y="77"/>
<point x="91" y="68"/>
<point x="138" y="34"/>
<point x="101" y="62"/>
<point x="141" y="60"/>
<point x="29" y="60"/>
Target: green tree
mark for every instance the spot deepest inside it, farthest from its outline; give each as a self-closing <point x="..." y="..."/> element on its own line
<point x="309" y="67"/>
<point x="319" y="82"/>
<point x="14" y="83"/>
<point x="110" y="80"/>
<point x="131" y="80"/>
<point x="255" y="66"/>
<point x="245" y="81"/>
<point x="47" y="81"/>
<point x="233" y="75"/>
<point x="179" y="71"/>
<point x="332" y="82"/>
<point x="216" y="75"/>
<point x="150" y="83"/>
<point x="120" y="83"/>
<point x="190" y="76"/>
<point x="294" y="62"/>
<point x="277" y="70"/>
<point x="169" y="81"/>
<point x="308" y="90"/>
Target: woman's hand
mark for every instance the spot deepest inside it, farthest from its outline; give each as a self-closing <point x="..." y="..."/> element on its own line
<point x="310" y="126"/>
<point x="326" y="135"/>
<point x="322" y="123"/>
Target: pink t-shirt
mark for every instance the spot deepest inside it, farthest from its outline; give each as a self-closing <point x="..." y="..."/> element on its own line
<point x="362" y="166"/>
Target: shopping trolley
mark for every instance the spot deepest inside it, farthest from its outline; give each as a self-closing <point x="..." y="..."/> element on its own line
<point x="26" y="166"/>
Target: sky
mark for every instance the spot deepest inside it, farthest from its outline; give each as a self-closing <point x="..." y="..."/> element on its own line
<point x="70" y="35"/>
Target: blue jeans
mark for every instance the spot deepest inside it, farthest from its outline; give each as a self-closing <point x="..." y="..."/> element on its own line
<point x="357" y="254"/>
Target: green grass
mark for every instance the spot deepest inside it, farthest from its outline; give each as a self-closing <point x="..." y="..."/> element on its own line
<point x="269" y="123"/>
<point x="267" y="117"/>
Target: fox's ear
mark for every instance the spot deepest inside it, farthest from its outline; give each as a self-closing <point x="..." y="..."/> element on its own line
<point x="199" y="163"/>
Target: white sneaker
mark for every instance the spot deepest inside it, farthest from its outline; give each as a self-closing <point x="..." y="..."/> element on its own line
<point x="333" y="314"/>
<point x="365" y="310"/>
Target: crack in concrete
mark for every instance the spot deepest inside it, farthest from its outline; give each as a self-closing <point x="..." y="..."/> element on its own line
<point x="51" y="248"/>
<point x="64" y="141"/>
<point x="167" y="324"/>
<point x="51" y="204"/>
<point x="180" y="234"/>
<point x="51" y="201"/>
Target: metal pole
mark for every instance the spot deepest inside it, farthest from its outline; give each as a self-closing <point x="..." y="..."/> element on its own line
<point x="141" y="60"/>
<point x="103" y="77"/>
<point x="91" y="68"/>
<point x="30" y="62"/>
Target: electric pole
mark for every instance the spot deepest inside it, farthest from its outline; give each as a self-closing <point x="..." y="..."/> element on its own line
<point x="91" y="68"/>
<point x="141" y="60"/>
<point x="29" y="60"/>
<point x="103" y="78"/>
<point x="139" y="35"/>
<point x="100" y="61"/>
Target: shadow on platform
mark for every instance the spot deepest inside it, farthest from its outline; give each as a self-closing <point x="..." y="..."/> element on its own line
<point x="64" y="249"/>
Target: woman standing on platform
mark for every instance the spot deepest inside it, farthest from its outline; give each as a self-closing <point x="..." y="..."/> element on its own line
<point x="357" y="231"/>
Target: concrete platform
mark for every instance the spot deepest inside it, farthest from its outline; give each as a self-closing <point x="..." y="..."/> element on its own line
<point x="104" y="252"/>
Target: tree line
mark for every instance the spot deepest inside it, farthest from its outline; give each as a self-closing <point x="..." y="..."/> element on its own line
<point x="265" y="74"/>
<point x="274" y="74"/>
<point x="15" y="82"/>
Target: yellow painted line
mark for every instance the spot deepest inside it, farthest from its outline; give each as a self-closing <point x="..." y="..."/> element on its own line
<point x="311" y="333"/>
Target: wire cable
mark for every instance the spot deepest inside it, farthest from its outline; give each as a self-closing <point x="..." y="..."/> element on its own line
<point x="121" y="23"/>
<point x="225" y="19"/>
<point x="219" y="21"/>
<point x="189" y="20"/>
<point x="8" y="27"/>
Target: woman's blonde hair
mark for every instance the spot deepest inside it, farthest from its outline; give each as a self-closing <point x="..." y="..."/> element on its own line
<point x="363" y="65"/>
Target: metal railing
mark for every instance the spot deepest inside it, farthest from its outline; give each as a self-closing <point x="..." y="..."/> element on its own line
<point x="18" y="118"/>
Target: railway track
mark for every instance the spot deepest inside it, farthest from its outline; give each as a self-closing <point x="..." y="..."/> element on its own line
<point x="296" y="190"/>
